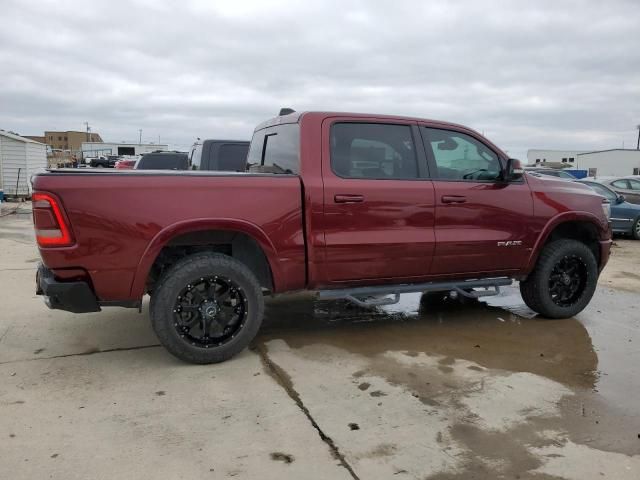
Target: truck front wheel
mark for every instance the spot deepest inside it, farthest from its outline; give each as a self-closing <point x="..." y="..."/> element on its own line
<point x="206" y="308"/>
<point x="563" y="281"/>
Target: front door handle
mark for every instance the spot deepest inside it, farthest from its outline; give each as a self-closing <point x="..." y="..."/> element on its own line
<point x="453" y="199"/>
<point x="348" y="198"/>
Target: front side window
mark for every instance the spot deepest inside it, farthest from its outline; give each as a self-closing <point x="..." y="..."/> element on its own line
<point x="373" y="150"/>
<point x="604" y="191"/>
<point x="461" y="157"/>
<point x="621" y="184"/>
<point x="275" y="150"/>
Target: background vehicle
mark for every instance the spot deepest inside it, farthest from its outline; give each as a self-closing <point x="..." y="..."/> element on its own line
<point x="126" y="163"/>
<point x="163" y="161"/>
<point x="627" y="186"/>
<point x="108" y="161"/>
<point x="551" y="172"/>
<point x="353" y="206"/>
<point x="625" y="216"/>
<point x="221" y="155"/>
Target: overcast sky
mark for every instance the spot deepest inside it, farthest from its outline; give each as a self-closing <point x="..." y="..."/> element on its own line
<point x="534" y="74"/>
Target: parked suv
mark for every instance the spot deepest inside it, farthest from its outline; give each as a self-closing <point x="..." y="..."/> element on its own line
<point x="349" y="206"/>
<point x="221" y="155"/>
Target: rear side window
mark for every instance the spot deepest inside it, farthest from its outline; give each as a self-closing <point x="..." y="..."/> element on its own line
<point x="163" y="162"/>
<point x="276" y="150"/>
<point x="635" y="184"/>
<point x="232" y="157"/>
<point x="460" y="157"/>
<point x="373" y="150"/>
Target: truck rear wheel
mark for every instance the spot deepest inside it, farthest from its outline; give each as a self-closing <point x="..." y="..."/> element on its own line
<point x="207" y="308"/>
<point x="563" y="281"/>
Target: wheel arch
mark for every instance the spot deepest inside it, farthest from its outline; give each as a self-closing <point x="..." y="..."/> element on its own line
<point x="240" y="239"/>
<point x="582" y="226"/>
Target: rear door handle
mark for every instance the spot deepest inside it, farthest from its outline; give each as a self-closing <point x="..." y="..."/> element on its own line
<point x="453" y="199"/>
<point x="348" y="198"/>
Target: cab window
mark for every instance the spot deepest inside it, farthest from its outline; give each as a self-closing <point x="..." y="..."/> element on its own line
<point x="460" y="157"/>
<point x="373" y="150"/>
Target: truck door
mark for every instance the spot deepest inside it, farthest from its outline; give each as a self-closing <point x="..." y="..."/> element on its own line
<point x="378" y="202"/>
<point x="482" y="224"/>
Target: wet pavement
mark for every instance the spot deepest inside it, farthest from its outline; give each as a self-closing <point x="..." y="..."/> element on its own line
<point x="432" y="387"/>
<point x="443" y="351"/>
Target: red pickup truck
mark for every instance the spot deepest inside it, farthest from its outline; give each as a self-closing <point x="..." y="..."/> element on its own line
<point x="352" y="206"/>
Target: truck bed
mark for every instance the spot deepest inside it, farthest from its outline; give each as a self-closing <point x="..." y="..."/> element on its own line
<point x="122" y="219"/>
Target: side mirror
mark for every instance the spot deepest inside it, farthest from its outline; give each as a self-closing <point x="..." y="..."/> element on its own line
<point x="620" y="199"/>
<point x="514" y="170"/>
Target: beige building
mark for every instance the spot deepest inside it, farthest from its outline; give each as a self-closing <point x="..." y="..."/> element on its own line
<point x="70" y="140"/>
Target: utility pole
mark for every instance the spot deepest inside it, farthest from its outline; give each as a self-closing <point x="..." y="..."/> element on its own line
<point x="638" y="145"/>
<point x="88" y="130"/>
<point x="140" y="140"/>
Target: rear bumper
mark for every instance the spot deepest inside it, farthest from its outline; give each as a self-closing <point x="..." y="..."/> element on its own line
<point x="76" y="297"/>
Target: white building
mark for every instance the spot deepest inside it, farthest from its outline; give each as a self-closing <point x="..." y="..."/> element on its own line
<point x="536" y="156"/>
<point x="19" y="158"/>
<point x="615" y="162"/>
<point x="95" y="149"/>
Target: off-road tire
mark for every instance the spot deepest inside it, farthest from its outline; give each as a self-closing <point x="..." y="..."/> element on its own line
<point x="535" y="289"/>
<point x="188" y="270"/>
<point x="635" y="230"/>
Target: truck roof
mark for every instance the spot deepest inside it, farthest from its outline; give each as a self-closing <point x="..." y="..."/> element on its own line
<point x="296" y="116"/>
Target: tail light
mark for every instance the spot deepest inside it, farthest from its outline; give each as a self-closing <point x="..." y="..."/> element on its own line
<point x="51" y="226"/>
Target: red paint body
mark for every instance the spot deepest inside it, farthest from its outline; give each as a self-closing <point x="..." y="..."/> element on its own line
<point x="400" y="232"/>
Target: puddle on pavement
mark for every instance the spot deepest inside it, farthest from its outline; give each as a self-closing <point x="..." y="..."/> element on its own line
<point x="494" y="337"/>
<point x="496" y="332"/>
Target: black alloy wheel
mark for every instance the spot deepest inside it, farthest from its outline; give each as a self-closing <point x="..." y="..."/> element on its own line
<point x="567" y="281"/>
<point x="210" y="311"/>
<point x="563" y="281"/>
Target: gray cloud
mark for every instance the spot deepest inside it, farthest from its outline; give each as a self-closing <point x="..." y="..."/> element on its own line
<point x="528" y="74"/>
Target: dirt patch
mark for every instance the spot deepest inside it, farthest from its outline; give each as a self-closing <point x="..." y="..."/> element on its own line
<point x="282" y="457"/>
<point x="625" y="254"/>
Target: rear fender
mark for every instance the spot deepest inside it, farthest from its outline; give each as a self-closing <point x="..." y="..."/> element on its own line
<point x="197" y="225"/>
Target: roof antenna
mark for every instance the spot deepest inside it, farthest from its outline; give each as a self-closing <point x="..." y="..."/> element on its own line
<point x="286" y="111"/>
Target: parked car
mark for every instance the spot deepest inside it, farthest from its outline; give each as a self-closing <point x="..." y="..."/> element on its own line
<point x="350" y="206"/>
<point x="625" y="216"/>
<point x="551" y="172"/>
<point x="221" y="155"/>
<point x="126" y="164"/>
<point x="108" y="161"/>
<point x="627" y="186"/>
<point x="163" y="161"/>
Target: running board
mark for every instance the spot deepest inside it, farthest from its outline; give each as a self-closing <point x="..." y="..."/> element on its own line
<point x="491" y="287"/>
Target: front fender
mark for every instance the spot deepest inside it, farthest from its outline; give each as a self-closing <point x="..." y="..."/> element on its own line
<point x="554" y="222"/>
<point x="163" y="237"/>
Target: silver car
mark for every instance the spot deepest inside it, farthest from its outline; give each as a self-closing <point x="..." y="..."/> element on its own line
<point x="627" y="186"/>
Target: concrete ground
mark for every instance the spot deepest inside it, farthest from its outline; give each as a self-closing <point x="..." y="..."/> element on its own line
<point x="445" y="390"/>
